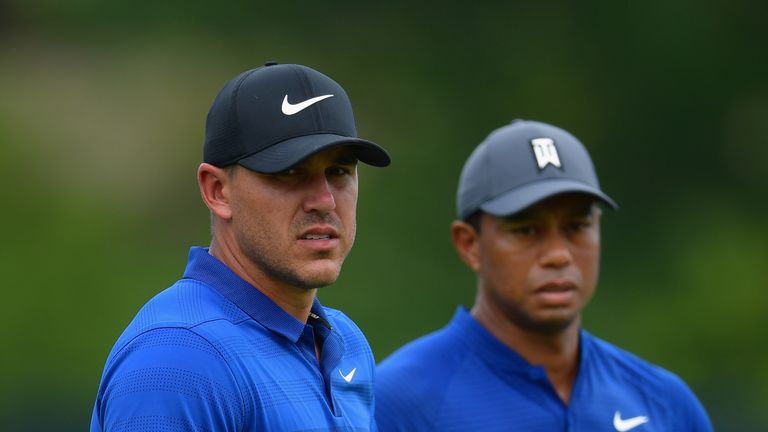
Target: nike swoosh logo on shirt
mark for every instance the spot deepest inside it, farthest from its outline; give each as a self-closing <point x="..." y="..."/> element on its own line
<point x="291" y="109"/>
<point x="623" y="425"/>
<point x="348" y="377"/>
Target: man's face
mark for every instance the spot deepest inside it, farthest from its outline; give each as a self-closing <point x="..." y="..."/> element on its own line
<point x="539" y="267"/>
<point x="297" y="226"/>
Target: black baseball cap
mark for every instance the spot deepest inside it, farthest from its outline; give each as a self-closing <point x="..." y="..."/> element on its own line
<point x="271" y="118"/>
<point x="521" y="164"/>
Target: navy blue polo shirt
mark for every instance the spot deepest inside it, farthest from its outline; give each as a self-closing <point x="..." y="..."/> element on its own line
<point x="461" y="378"/>
<point x="213" y="353"/>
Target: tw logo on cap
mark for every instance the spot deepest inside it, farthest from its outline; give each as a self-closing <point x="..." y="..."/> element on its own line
<point x="546" y="153"/>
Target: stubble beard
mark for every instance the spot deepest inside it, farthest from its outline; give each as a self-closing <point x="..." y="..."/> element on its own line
<point x="525" y="320"/>
<point x="547" y="326"/>
<point x="259" y="247"/>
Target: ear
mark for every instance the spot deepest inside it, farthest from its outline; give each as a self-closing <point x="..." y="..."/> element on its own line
<point x="466" y="241"/>
<point x="215" y="188"/>
<point x="597" y="213"/>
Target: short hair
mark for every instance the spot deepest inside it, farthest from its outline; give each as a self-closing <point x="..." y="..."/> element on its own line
<point x="474" y="220"/>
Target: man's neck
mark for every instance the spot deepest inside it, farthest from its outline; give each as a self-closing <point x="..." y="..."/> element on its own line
<point x="295" y="301"/>
<point x="557" y="352"/>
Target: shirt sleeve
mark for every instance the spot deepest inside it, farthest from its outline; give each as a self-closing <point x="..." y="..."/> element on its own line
<point x="401" y="406"/>
<point x="168" y="379"/>
<point x="692" y="416"/>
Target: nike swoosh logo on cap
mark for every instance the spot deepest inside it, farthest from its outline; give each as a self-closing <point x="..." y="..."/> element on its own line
<point x="291" y="109"/>
<point x="623" y="425"/>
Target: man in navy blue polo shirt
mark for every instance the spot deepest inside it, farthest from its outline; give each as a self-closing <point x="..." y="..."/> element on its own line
<point x="529" y="227"/>
<point x="241" y="343"/>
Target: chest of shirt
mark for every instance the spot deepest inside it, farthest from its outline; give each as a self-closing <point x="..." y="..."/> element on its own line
<point x="284" y="387"/>
<point x="478" y="400"/>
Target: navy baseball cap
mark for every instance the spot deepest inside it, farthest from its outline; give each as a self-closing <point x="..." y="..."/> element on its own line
<point x="521" y="164"/>
<point x="271" y="118"/>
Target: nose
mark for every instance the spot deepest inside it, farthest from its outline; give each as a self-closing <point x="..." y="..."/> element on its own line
<point x="556" y="252"/>
<point x="319" y="195"/>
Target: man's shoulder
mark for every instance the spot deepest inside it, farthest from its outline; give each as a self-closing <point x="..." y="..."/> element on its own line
<point x="186" y="304"/>
<point x="420" y="367"/>
<point x="144" y="368"/>
<point x="420" y="353"/>
<point x="621" y="360"/>
<point x="630" y="369"/>
<point x="412" y="383"/>
<point x="426" y="364"/>
<point x="624" y="374"/>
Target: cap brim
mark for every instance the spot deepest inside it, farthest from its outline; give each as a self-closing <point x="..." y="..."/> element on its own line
<point x="523" y="197"/>
<point x="285" y="154"/>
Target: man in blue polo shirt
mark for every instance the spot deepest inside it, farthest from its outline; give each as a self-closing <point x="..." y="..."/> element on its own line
<point x="529" y="227"/>
<point x="241" y="343"/>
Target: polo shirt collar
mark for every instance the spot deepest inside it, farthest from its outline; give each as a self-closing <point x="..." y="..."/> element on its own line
<point x="491" y="350"/>
<point x="499" y="356"/>
<point x="206" y="268"/>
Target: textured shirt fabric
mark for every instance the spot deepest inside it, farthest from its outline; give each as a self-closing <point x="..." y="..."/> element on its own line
<point x="461" y="378"/>
<point x="213" y="353"/>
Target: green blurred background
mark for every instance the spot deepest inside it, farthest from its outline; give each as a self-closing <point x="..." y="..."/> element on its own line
<point x="102" y="108"/>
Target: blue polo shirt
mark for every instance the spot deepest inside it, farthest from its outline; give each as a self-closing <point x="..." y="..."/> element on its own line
<point x="461" y="378"/>
<point x="212" y="353"/>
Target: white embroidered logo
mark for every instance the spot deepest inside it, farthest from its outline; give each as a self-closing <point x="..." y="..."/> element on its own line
<point x="546" y="152"/>
<point x="623" y="425"/>
<point x="291" y="109"/>
<point x="348" y="377"/>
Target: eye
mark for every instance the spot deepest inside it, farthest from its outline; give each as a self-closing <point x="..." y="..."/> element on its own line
<point x="579" y="226"/>
<point x="337" y="171"/>
<point x="288" y="176"/>
<point x="523" y="230"/>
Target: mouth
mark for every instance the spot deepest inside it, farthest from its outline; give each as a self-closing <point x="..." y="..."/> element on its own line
<point x="557" y="285"/>
<point x="312" y="236"/>
<point x="557" y="292"/>
<point x="319" y="233"/>
<point x="319" y="238"/>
